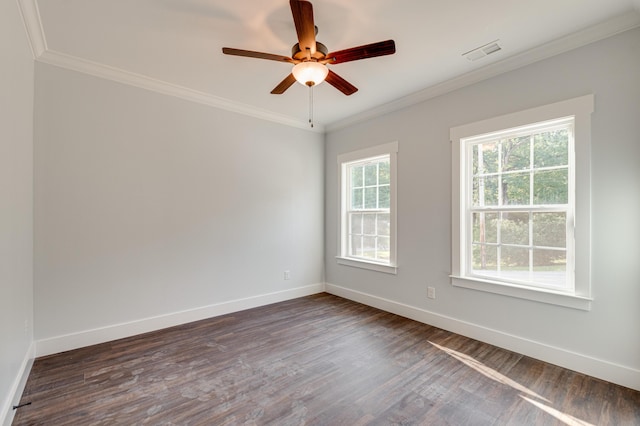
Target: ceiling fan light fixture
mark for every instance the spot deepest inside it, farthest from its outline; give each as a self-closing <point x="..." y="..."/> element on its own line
<point x="310" y="73"/>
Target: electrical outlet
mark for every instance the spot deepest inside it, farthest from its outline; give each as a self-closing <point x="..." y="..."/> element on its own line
<point x="287" y="275"/>
<point x="431" y="292"/>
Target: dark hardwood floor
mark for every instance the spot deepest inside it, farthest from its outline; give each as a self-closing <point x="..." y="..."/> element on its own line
<point x="318" y="360"/>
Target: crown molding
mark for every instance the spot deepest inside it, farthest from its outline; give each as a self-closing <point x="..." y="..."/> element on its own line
<point x="33" y="26"/>
<point x="96" y="69"/>
<point x="37" y="41"/>
<point x="581" y="38"/>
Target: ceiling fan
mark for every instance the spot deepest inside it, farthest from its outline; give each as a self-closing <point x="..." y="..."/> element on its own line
<point x="310" y="57"/>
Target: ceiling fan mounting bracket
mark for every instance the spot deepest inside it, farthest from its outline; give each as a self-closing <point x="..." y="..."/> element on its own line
<point x="302" y="55"/>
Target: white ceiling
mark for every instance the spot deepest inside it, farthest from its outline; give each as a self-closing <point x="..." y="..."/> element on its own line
<point x="176" y="44"/>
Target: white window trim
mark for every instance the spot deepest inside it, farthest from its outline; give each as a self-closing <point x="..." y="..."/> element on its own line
<point x="581" y="108"/>
<point x="390" y="149"/>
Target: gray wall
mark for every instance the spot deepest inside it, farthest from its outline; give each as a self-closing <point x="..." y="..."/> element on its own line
<point x="149" y="205"/>
<point x="16" y="200"/>
<point x="610" y="332"/>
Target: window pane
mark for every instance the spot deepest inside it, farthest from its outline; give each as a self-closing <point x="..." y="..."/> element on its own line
<point x="514" y="228"/>
<point x="478" y="227"/>
<point x="371" y="174"/>
<point x="475" y="194"/>
<point x="549" y="229"/>
<point x="356" y="176"/>
<point x="369" y="224"/>
<point x="475" y="160"/>
<point x="485" y="227"/>
<point x="550" y="267"/>
<point x="369" y="247"/>
<point x="356" y="246"/>
<point x="384" y="197"/>
<point x="357" y="198"/>
<point x="515" y="189"/>
<point x="384" y="173"/>
<point x="485" y="158"/>
<point x="551" y="148"/>
<point x="370" y="198"/>
<point x="384" y="248"/>
<point x="384" y="224"/>
<point x="551" y="187"/>
<point x="485" y="260"/>
<point x="514" y="263"/>
<point x="485" y="191"/>
<point x="516" y="154"/>
<point x="356" y="223"/>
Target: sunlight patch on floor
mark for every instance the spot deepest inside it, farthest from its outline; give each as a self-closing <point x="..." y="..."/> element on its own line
<point x="488" y="372"/>
<point x="565" y="418"/>
<point x="501" y="378"/>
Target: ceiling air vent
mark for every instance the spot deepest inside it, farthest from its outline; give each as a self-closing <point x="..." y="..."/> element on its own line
<point x="482" y="51"/>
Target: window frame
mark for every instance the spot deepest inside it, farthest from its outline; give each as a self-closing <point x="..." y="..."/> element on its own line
<point x="389" y="150"/>
<point x="580" y="296"/>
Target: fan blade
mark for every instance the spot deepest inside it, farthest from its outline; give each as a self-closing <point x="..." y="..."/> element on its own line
<point x="340" y="83"/>
<point x="302" y="12"/>
<point x="259" y="55"/>
<point x="372" y="50"/>
<point x="284" y="85"/>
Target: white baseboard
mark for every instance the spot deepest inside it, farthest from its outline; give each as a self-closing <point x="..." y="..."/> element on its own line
<point x="614" y="373"/>
<point x="17" y="388"/>
<point x="84" y="338"/>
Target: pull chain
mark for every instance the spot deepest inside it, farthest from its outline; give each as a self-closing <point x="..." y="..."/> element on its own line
<point x="311" y="105"/>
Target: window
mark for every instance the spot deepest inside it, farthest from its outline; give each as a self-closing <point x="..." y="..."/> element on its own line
<point x="520" y="214"/>
<point x="521" y="188"/>
<point x="367" y="213"/>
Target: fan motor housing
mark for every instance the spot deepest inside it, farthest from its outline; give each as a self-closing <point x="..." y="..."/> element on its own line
<point x="321" y="52"/>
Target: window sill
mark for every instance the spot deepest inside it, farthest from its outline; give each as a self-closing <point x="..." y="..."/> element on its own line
<point x="520" y="292"/>
<point x="363" y="264"/>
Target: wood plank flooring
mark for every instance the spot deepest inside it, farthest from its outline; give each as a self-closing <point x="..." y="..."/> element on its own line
<point x="317" y="360"/>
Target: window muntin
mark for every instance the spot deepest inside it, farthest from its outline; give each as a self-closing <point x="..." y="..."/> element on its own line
<point x="519" y="205"/>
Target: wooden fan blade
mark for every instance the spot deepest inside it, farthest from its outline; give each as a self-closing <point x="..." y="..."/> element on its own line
<point x="284" y="85"/>
<point x="340" y="83"/>
<point x="259" y="55"/>
<point x="302" y="12"/>
<point x="372" y="50"/>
